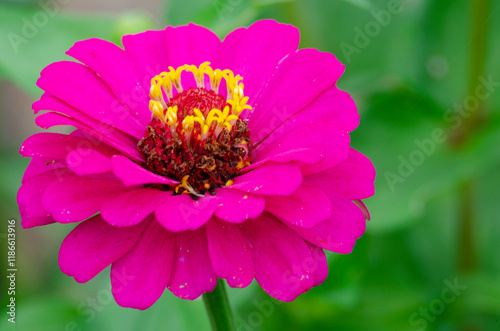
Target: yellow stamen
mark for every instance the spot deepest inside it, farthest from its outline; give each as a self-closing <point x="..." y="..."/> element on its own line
<point x="231" y="81"/>
<point x="155" y="90"/>
<point x="238" y="90"/>
<point x="229" y="182"/>
<point x="226" y="118"/>
<point x="166" y="83"/>
<point x="174" y="76"/>
<point x="242" y="164"/>
<point x="198" y="73"/>
<point x="171" y="116"/>
<point x="198" y="113"/>
<point x="226" y="111"/>
<point x="231" y="118"/>
<point x="157" y="109"/>
<point x="199" y="120"/>
<point x="213" y="113"/>
<point x="188" y="189"/>
<point x="205" y="129"/>
<point x="239" y="102"/>
<point x="184" y="184"/>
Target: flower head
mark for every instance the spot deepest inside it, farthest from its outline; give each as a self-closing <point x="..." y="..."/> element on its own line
<point x="196" y="136"/>
<point x="195" y="159"/>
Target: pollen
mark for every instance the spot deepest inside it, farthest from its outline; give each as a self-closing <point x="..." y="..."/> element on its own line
<point x="196" y="134"/>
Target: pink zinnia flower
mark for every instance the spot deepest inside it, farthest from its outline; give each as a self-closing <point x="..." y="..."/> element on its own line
<point x="181" y="174"/>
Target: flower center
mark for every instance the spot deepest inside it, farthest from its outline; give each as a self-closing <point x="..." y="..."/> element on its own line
<point x="195" y="135"/>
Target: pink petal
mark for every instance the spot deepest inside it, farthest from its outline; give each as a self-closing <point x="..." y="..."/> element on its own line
<point x="93" y="245"/>
<point x="181" y="212"/>
<point x="283" y="262"/>
<point x="352" y="179"/>
<point x="40" y="165"/>
<point x="236" y="207"/>
<point x="57" y="146"/>
<point x="130" y="173"/>
<point x="116" y="69"/>
<point x="311" y="144"/>
<point x="81" y="88"/>
<point x="269" y="179"/>
<point x="29" y="197"/>
<point x="132" y="207"/>
<point x="190" y="44"/>
<point x="80" y="134"/>
<point x="88" y="162"/>
<point x="254" y="53"/>
<point x="298" y="80"/>
<point x="49" y="102"/>
<point x="334" y="108"/>
<point x="73" y="199"/>
<point x="230" y="253"/>
<point x="139" y="278"/>
<point x="28" y="222"/>
<point x="154" y="51"/>
<point x="192" y="274"/>
<point x="51" y="119"/>
<point x="39" y="174"/>
<point x="94" y="128"/>
<point x="147" y="51"/>
<point x="298" y="145"/>
<point x="336" y="151"/>
<point x="320" y="264"/>
<point x="306" y="207"/>
<point x="338" y="233"/>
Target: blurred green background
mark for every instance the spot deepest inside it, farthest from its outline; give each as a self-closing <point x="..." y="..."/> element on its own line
<point x="414" y="70"/>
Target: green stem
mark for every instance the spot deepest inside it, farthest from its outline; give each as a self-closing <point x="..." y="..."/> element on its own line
<point x="478" y="49"/>
<point x="218" y="308"/>
<point x="480" y="12"/>
<point x="467" y="260"/>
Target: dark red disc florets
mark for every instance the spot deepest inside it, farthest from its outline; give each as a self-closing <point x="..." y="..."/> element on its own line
<point x="201" y="162"/>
